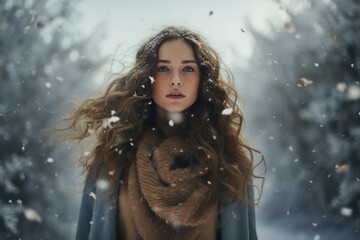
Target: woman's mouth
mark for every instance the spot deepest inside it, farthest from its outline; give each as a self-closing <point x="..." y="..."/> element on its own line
<point x="175" y="95"/>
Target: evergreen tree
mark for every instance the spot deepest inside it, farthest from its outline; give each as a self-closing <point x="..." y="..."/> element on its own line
<point x="307" y="98"/>
<point x="42" y="64"/>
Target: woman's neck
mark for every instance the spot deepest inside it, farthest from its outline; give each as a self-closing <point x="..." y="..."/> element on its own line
<point x="172" y="124"/>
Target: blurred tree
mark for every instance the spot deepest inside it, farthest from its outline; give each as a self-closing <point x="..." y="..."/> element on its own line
<point x="308" y="98"/>
<point x="41" y="64"/>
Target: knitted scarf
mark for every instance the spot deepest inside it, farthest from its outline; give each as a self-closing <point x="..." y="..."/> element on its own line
<point x="168" y="201"/>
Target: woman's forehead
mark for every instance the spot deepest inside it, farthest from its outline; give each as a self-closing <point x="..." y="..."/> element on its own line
<point x="176" y="49"/>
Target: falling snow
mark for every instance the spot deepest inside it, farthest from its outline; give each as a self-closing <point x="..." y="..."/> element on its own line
<point x="341" y="87"/>
<point x="112" y="119"/>
<point x="347" y="212"/>
<point x="32" y="215"/>
<point x="93" y="195"/>
<point x="102" y="184"/>
<point x="152" y="79"/>
<point x="227" y="111"/>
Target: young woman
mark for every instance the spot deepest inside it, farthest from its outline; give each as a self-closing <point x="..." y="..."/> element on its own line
<point x="169" y="160"/>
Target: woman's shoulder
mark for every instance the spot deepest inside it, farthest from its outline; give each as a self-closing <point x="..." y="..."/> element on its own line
<point x="238" y="219"/>
<point x="99" y="181"/>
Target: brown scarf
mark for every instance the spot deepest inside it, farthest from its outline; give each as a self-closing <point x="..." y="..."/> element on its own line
<point x="167" y="202"/>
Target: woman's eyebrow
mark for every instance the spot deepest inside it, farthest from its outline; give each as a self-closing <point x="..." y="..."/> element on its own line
<point x="184" y="61"/>
<point x="163" y="61"/>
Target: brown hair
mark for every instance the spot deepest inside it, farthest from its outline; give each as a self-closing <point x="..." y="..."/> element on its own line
<point x="128" y="99"/>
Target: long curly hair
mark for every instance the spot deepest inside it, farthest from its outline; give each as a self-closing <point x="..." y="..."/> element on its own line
<point x="118" y="119"/>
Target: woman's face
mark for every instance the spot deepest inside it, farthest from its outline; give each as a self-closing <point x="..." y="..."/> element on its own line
<point x="177" y="77"/>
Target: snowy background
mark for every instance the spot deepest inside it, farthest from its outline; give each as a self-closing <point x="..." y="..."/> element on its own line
<point x="296" y="64"/>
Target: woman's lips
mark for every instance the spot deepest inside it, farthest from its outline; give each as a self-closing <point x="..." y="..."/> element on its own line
<point x="175" y="94"/>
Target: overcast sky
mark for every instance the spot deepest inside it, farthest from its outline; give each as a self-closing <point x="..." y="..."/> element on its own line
<point x="223" y="23"/>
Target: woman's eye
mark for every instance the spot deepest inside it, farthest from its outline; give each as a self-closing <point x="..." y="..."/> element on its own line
<point x="162" y="69"/>
<point x="188" y="69"/>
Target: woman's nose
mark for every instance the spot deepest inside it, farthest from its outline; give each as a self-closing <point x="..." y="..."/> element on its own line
<point x="175" y="80"/>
